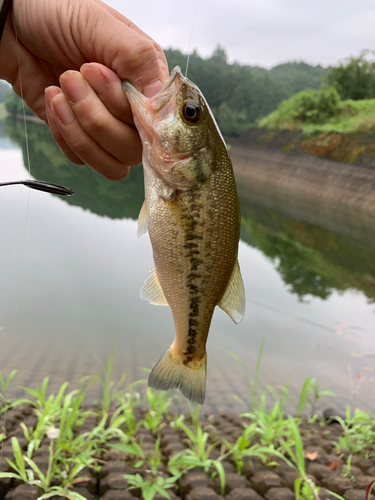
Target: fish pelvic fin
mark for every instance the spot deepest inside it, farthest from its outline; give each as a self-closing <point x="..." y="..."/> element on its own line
<point x="172" y="372"/>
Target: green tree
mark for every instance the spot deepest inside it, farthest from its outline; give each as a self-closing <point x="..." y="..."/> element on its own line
<point x="14" y="106"/>
<point x="296" y="76"/>
<point x="355" y="79"/>
<point x="240" y="94"/>
<point x="4" y="89"/>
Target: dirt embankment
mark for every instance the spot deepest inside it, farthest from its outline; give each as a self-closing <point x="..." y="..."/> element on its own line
<point x="356" y="148"/>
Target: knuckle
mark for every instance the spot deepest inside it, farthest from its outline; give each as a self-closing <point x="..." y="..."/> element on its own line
<point x="141" y="53"/>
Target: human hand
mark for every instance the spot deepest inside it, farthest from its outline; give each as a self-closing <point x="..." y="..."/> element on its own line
<point x="89" y="116"/>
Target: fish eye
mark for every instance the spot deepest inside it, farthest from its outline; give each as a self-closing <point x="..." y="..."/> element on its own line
<point x="191" y="112"/>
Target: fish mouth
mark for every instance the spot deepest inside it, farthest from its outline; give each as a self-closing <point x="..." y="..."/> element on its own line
<point x="151" y="113"/>
<point x="156" y="103"/>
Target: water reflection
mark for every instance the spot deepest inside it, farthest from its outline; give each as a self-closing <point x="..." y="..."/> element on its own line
<point x="117" y="200"/>
<point x="312" y="260"/>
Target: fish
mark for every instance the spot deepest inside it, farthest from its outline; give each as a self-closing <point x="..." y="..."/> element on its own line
<point x="192" y="213"/>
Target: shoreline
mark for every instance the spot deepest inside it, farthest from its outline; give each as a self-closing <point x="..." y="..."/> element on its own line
<point x="355" y="148"/>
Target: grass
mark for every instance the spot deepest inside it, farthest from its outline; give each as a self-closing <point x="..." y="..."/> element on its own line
<point x="267" y="433"/>
<point x="354" y="116"/>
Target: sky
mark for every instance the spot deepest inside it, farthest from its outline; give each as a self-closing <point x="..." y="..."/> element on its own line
<point x="259" y="32"/>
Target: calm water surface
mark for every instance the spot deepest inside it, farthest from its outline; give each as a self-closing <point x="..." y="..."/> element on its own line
<point x="71" y="270"/>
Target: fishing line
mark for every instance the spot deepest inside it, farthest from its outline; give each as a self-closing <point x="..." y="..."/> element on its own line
<point x="191" y="36"/>
<point x="23" y="103"/>
<point x="27" y="147"/>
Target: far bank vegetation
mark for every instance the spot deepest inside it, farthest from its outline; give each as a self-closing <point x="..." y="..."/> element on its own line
<point x="238" y="94"/>
<point x="344" y="103"/>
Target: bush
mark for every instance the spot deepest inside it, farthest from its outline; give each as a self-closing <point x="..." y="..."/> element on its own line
<point x="354" y="80"/>
<point x="308" y="106"/>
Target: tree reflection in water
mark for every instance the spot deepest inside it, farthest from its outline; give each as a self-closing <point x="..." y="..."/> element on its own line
<point x="311" y="260"/>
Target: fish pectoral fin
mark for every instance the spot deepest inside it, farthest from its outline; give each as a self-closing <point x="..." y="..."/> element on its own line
<point x="152" y="291"/>
<point x="233" y="300"/>
<point x="180" y="214"/>
<point x="142" y="220"/>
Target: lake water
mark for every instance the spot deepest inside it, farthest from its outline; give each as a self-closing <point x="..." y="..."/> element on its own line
<point x="71" y="270"/>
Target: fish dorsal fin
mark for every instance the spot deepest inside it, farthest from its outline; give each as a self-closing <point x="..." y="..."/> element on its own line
<point x="142" y="220"/>
<point x="152" y="291"/>
<point x="233" y="301"/>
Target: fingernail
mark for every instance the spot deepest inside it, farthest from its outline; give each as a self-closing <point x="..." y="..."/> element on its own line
<point x="95" y="77"/>
<point x="152" y="88"/>
<point x="50" y="93"/>
<point x="74" y="86"/>
<point x="61" y="107"/>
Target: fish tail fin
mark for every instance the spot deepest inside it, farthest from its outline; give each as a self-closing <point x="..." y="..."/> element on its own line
<point x="172" y="372"/>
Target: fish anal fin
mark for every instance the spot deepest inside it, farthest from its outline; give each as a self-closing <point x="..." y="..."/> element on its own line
<point x="170" y="372"/>
<point x="233" y="300"/>
<point x="142" y="220"/>
<point x="152" y="291"/>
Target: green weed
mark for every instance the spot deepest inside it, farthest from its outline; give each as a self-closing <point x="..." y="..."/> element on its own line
<point x="151" y="485"/>
<point x="243" y="447"/>
<point x="5" y="401"/>
<point x="359" y="432"/>
<point x="198" y="454"/>
<point x="310" y="395"/>
<point x="293" y="454"/>
<point x="347" y="468"/>
<point x="158" y="403"/>
<point x="271" y="426"/>
<point x="134" y="449"/>
<point x="252" y="385"/>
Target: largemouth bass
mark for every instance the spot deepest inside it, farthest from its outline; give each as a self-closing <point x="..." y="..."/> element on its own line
<point x="192" y="213"/>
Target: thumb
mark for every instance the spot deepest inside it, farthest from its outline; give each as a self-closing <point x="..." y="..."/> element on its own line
<point x="119" y="44"/>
